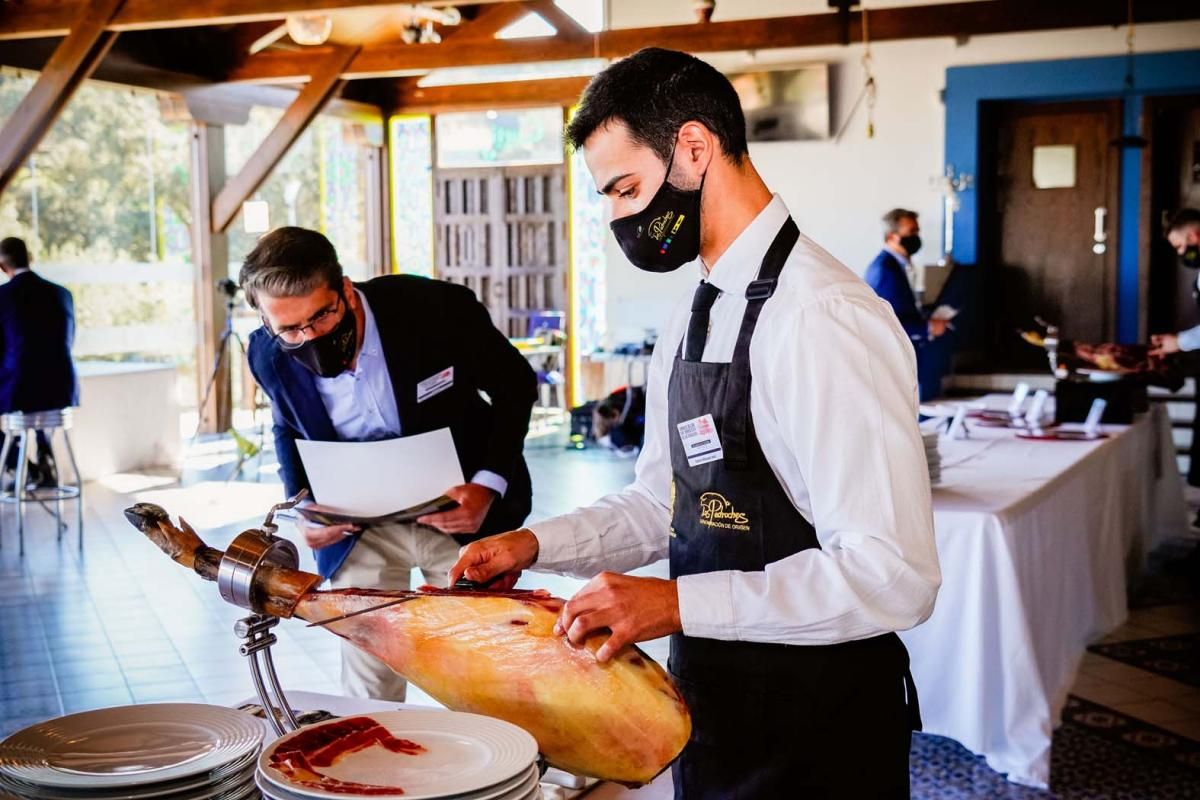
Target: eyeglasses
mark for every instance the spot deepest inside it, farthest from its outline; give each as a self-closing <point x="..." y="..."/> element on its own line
<point x="320" y="324"/>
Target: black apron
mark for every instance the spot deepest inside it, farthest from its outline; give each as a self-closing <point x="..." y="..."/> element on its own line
<point x="770" y="720"/>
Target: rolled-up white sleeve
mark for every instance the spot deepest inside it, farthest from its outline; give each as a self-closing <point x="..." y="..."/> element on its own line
<point x="842" y="391"/>
<point x="629" y="529"/>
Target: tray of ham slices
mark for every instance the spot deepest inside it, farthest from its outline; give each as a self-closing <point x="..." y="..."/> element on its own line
<point x="403" y="755"/>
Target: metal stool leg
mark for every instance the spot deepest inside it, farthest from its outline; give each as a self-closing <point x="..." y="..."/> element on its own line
<point x="58" y="500"/>
<point x="78" y="486"/>
<point x="4" y="451"/>
<point x="19" y="488"/>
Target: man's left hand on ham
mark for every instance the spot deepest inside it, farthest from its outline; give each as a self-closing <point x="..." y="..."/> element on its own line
<point x="634" y="609"/>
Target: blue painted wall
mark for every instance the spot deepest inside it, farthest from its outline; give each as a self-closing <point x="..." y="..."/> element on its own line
<point x="1072" y="79"/>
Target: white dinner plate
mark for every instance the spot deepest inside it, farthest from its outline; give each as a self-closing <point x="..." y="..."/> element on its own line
<point x="221" y="776"/>
<point x="129" y="746"/>
<point x="517" y="789"/>
<point x="464" y="753"/>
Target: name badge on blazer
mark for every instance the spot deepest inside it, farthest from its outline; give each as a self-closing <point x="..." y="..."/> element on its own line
<point x="435" y="384"/>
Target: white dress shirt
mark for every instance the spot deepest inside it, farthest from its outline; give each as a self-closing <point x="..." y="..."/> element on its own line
<point x="362" y="403"/>
<point x="834" y="405"/>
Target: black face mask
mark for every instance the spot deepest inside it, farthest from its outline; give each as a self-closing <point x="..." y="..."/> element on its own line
<point x="328" y="356"/>
<point x="1191" y="256"/>
<point x="911" y="244"/>
<point x="664" y="235"/>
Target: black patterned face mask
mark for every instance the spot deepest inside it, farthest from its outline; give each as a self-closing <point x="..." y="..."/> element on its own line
<point x="664" y="235"/>
<point x="329" y="355"/>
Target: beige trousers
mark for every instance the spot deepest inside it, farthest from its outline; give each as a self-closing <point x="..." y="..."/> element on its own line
<point x="383" y="559"/>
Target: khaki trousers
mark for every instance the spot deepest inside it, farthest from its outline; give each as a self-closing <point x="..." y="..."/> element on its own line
<point x="383" y="559"/>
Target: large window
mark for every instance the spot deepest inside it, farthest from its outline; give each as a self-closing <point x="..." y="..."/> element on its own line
<point x="103" y="206"/>
<point x="321" y="184"/>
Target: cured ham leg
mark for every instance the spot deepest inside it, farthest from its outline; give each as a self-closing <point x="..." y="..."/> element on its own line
<point x="492" y="653"/>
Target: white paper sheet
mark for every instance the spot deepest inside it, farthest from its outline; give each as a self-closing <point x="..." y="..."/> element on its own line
<point x="371" y="479"/>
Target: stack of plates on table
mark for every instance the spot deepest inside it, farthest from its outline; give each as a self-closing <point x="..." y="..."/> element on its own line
<point x="164" y="751"/>
<point x="932" y="456"/>
<point x="403" y="755"/>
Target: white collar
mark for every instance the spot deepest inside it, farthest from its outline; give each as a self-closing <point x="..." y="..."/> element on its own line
<point x="740" y="263"/>
<point x="371" y="344"/>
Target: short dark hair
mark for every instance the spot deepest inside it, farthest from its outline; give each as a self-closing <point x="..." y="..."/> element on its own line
<point x="289" y="262"/>
<point x="1183" y="218"/>
<point x="13" y="251"/>
<point x="893" y="218"/>
<point x="654" y="92"/>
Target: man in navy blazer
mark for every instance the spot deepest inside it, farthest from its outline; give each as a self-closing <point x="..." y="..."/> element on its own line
<point x="396" y="355"/>
<point x="37" y="328"/>
<point x="888" y="276"/>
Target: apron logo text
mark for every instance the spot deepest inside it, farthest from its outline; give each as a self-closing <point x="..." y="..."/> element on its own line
<point x="717" y="512"/>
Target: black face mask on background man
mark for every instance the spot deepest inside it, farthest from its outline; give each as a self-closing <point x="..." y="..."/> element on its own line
<point x="911" y="244"/>
<point x="329" y="355"/>
<point x="664" y="235"/>
<point x="1191" y="256"/>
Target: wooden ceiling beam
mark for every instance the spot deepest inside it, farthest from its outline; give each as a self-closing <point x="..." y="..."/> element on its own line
<point x="75" y="58"/>
<point x="37" y="18"/>
<point x="808" y="30"/>
<point x="564" y="23"/>
<point x="312" y="98"/>
<point x="490" y="20"/>
<point x="408" y="98"/>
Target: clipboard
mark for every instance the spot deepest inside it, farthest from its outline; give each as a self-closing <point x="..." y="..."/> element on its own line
<point x="407" y="515"/>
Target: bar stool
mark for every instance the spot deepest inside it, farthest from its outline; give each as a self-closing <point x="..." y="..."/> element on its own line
<point x="23" y="425"/>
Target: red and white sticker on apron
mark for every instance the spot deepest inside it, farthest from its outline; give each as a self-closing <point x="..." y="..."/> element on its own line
<point x="700" y="441"/>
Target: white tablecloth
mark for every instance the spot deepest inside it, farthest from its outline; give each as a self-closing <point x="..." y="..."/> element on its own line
<point x="1035" y="540"/>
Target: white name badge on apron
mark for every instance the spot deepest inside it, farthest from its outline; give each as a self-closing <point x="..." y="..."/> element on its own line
<point x="700" y="442"/>
<point x="435" y="384"/>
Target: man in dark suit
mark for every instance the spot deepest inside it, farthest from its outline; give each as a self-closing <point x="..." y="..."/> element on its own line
<point x="37" y="327"/>
<point x="888" y="275"/>
<point x="396" y="355"/>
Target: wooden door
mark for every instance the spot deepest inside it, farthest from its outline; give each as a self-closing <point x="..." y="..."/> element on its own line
<point x="502" y="232"/>
<point x="467" y="245"/>
<point x="1045" y="260"/>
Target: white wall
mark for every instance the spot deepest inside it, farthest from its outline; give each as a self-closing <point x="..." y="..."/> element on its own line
<point x="838" y="191"/>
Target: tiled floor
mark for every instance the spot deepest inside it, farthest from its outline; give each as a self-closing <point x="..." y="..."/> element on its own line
<point x="120" y="624"/>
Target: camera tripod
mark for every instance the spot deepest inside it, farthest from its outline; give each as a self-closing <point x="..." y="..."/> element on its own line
<point x="228" y="334"/>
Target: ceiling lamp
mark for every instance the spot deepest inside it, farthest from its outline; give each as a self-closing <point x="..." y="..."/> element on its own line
<point x="309" y="29"/>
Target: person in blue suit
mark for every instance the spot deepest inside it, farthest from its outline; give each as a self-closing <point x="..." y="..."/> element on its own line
<point x="37" y="328"/>
<point x="397" y="355"/>
<point x="888" y="275"/>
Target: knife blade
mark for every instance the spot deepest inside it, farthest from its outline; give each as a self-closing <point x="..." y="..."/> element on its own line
<point x="341" y="617"/>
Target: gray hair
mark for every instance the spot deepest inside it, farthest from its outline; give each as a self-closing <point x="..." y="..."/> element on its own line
<point x="289" y="262"/>
<point x="893" y="218"/>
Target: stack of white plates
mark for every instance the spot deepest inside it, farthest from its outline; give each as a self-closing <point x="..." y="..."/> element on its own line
<point x="458" y="757"/>
<point x="164" y="751"/>
<point x="932" y="456"/>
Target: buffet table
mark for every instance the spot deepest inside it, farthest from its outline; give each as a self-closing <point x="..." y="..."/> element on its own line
<point x="1035" y="541"/>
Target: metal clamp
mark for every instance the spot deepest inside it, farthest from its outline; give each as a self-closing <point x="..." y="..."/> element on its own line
<point x="256" y="631"/>
<point x="237" y="579"/>
<point x="248" y="553"/>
